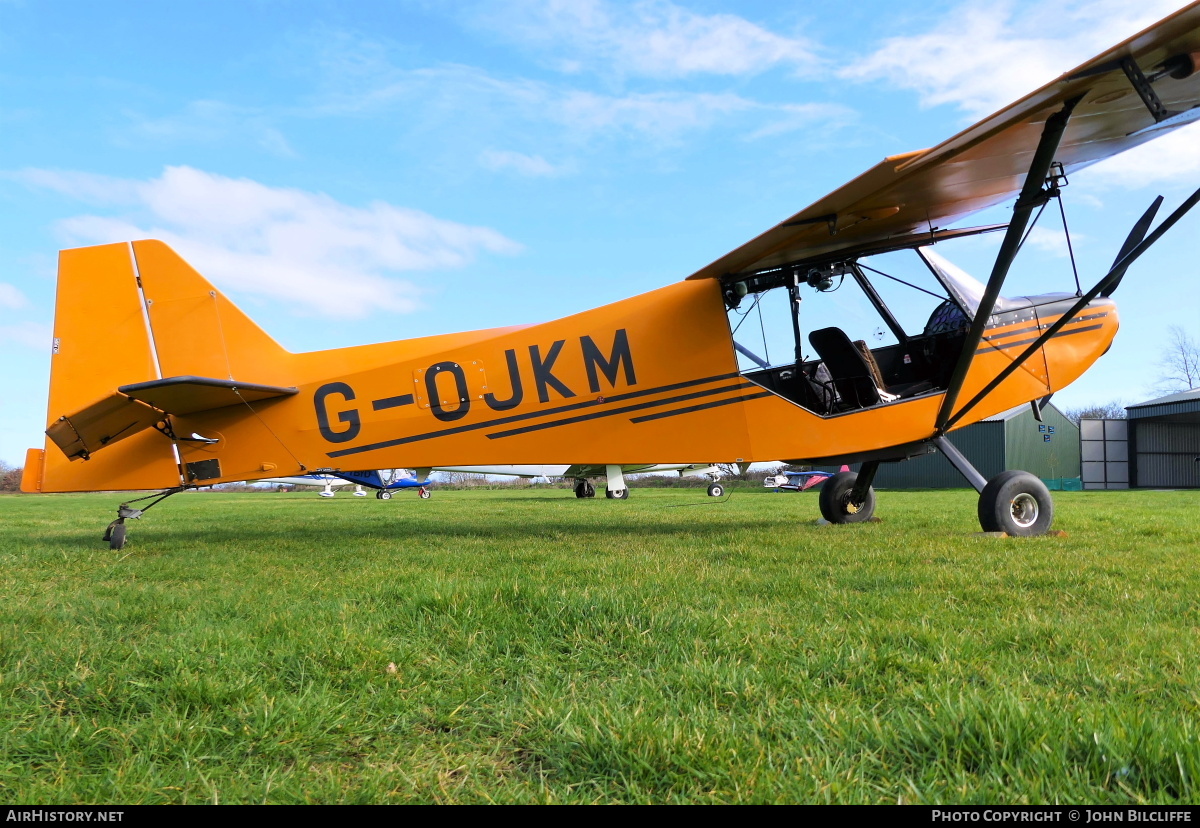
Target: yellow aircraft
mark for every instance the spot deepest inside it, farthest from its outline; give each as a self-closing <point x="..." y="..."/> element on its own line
<point x="159" y="382"/>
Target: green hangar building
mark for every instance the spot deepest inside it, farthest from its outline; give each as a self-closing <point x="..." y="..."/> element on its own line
<point x="1013" y="439"/>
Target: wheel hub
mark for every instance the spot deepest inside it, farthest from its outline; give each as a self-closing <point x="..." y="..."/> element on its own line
<point x="1024" y="510"/>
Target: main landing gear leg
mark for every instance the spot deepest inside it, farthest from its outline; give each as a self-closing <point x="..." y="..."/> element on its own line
<point x="847" y="497"/>
<point x="114" y="535"/>
<point x="1013" y="502"/>
<point x="615" y="488"/>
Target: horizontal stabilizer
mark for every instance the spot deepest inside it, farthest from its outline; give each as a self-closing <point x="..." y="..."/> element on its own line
<point x="139" y="406"/>
<point x="187" y="395"/>
<point x="100" y="424"/>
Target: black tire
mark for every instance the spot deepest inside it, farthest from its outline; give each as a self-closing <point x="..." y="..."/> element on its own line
<point x="1017" y="503"/>
<point x="618" y="494"/>
<point x="383" y="494"/>
<point x="835" y="500"/>
<point x="116" y="538"/>
<point x="425" y="494"/>
<point x="716" y="490"/>
<point x="580" y="488"/>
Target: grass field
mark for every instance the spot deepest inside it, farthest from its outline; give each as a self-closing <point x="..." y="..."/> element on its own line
<point x="667" y="648"/>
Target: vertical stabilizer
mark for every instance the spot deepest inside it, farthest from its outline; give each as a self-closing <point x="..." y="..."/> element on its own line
<point x="101" y="340"/>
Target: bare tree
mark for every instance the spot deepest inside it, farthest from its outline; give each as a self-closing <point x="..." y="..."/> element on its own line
<point x="1114" y="410"/>
<point x="10" y="478"/>
<point x="1179" y="368"/>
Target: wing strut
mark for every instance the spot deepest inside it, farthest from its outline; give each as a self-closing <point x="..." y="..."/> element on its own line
<point x="1111" y="278"/>
<point x="1033" y="195"/>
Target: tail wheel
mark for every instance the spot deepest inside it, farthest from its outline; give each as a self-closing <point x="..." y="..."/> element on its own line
<point x="1017" y="503"/>
<point x="424" y="494"/>
<point x="116" y="536"/>
<point x="836" y="505"/>
<point x="716" y="490"/>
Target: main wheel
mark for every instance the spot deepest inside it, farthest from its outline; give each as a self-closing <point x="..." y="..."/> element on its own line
<point x="617" y="494"/>
<point x="716" y="490"/>
<point x="835" y="500"/>
<point x="424" y="494"/>
<point x="1016" y="502"/>
<point x="116" y="538"/>
<point x="383" y="494"/>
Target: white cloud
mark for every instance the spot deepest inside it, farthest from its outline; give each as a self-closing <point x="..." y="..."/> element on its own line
<point x="661" y="114"/>
<point x="33" y="335"/>
<point x="87" y="187"/>
<point x="209" y="121"/>
<point x="985" y="55"/>
<point x="653" y="37"/>
<point x="1052" y="240"/>
<point x="303" y="248"/>
<point x="11" y="298"/>
<point x="1173" y="158"/>
<point x="533" y="166"/>
<point x="661" y="117"/>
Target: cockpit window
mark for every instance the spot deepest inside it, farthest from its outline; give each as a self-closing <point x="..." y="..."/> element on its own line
<point x="964" y="288"/>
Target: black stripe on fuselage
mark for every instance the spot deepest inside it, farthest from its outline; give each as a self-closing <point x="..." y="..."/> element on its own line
<point x="1032" y="328"/>
<point x="515" y="418"/>
<point x="616" y="411"/>
<point x="1003" y="346"/>
<point x="675" y="412"/>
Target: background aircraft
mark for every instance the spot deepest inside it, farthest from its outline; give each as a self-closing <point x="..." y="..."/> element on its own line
<point x="790" y="481"/>
<point x="615" y="488"/>
<point x="384" y="481"/>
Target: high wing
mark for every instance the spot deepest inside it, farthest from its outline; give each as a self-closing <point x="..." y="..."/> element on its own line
<point x="1131" y="93"/>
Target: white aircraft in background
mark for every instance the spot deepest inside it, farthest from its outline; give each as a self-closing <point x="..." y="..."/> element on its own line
<point x="615" y="475"/>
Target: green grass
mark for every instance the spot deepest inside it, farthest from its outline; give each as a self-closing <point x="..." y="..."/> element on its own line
<point x="556" y="650"/>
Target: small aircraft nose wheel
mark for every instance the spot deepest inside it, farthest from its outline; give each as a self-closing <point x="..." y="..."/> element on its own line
<point x="383" y="495"/>
<point x="836" y="500"/>
<point x="584" y="489"/>
<point x="716" y="490"/>
<point x="617" y="494"/>
<point x="424" y="493"/>
<point x="1017" y="503"/>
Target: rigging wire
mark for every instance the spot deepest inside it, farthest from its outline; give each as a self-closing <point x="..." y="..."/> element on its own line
<point x="1032" y="225"/>
<point x="269" y="429"/>
<point x="901" y="281"/>
<point x="762" y="327"/>
<point x="746" y="314"/>
<point x="1070" y="250"/>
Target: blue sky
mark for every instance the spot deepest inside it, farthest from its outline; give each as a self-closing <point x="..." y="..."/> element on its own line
<point x="353" y="172"/>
